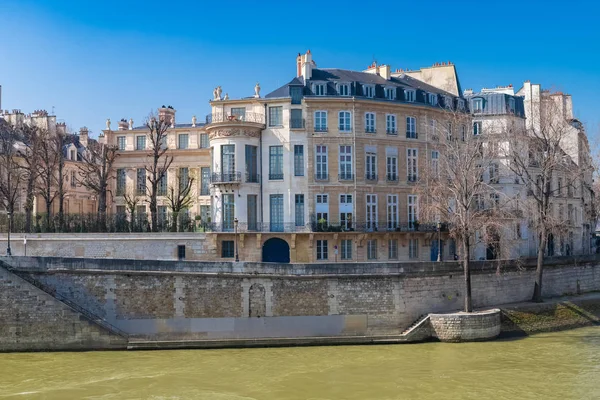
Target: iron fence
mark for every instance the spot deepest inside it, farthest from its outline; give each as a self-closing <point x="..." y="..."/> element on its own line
<point x="245" y="117"/>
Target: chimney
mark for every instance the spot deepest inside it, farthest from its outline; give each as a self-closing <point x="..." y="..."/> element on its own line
<point x="468" y="92"/>
<point x="299" y="65"/>
<point x="83" y="136"/>
<point x="385" y="72"/>
<point x="167" y="114"/>
<point x="61" y="128"/>
<point x="307" y="65"/>
<point x="123" y="125"/>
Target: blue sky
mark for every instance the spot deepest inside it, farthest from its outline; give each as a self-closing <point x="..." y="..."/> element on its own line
<point x="121" y="59"/>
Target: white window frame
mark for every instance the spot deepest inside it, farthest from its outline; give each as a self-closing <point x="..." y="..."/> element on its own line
<point x="321" y="162"/>
<point x="413" y="249"/>
<point x="391" y="168"/>
<point x="392" y="212"/>
<point x="343" y="89"/>
<point x="346" y="249"/>
<point x="122" y="140"/>
<point x="461" y="104"/>
<point x="432" y="99"/>
<point x="372" y="249"/>
<point x="322" y="207"/>
<point x="411" y="127"/>
<point x="412" y="164"/>
<point x="448" y="101"/>
<point x="136" y="142"/>
<point x="345" y="121"/>
<point x="410" y="95"/>
<point x="477" y="105"/>
<point x="391" y="126"/>
<point x="320" y="116"/>
<point x="370" y="122"/>
<point x="370" y="165"/>
<point x="369" y="91"/>
<point x="412" y="206"/>
<point x="319" y="89"/>
<point x="477" y="128"/>
<point x="346" y="208"/>
<point x="345" y="161"/>
<point x="390" y="93"/>
<point x="392" y="249"/>
<point x="435" y="162"/>
<point x="371" y="211"/>
<point x="322" y="249"/>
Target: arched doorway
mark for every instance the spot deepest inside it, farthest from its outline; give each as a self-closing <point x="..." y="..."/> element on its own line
<point x="276" y="250"/>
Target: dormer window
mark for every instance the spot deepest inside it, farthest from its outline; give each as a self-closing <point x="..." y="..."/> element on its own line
<point x="448" y="101"/>
<point x="433" y="99"/>
<point x="461" y="104"/>
<point x="511" y="105"/>
<point x="477" y="105"/>
<point x="343" y="89"/>
<point x="409" y="95"/>
<point x="390" y="93"/>
<point x="369" y="90"/>
<point x="73" y="155"/>
<point x="319" y="89"/>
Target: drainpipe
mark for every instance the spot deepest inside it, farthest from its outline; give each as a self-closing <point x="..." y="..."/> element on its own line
<point x="355" y="169"/>
<point x="260" y="163"/>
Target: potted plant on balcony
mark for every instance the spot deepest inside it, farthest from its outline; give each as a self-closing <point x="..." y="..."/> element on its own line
<point x="322" y="225"/>
<point x="416" y="224"/>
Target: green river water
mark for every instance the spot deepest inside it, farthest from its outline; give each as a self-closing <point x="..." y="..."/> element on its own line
<point x="563" y="365"/>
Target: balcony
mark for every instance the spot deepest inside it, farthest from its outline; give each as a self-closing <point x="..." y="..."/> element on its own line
<point x="218" y="178"/>
<point x="275" y="177"/>
<point x="412" y="135"/>
<point x="371" y="177"/>
<point x="256" y="118"/>
<point x="391" y="178"/>
<point x="321" y="129"/>
<point x="412" y="179"/>
<point x="346" y="177"/>
<point x="249" y="227"/>
<point x="321" y="177"/>
<point x="296" y="123"/>
<point x="370" y="130"/>
<point x="252" y="177"/>
<point x="223" y="125"/>
<point x="391" y="131"/>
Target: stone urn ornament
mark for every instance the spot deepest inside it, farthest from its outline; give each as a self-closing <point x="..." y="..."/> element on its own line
<point x="130" y="123"/>
<point x="194" y="121"/>
<point x="219" y="91"/>
<point x="257" y="90"/>
<point x="108" y="124"/>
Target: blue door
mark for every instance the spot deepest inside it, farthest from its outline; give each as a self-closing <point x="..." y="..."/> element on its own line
<point x="434" y="250"/>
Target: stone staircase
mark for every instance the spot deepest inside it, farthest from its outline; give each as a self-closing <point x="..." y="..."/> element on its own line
<point x="418" y="330"/>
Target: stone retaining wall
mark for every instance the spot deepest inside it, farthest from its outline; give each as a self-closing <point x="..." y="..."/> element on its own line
<point x="466" y="327"/>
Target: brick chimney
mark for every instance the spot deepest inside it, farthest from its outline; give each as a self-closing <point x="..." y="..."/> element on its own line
<point x="83" y="136"/>
<point x="305" y="65"/>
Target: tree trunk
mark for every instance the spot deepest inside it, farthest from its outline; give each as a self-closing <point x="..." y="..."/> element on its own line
<point x="61" y="195"/>
<point x="467" y="270"/>
<point x="102" y="210"/>
<point x="539" y="270"/>
<point x="29" y="205"/>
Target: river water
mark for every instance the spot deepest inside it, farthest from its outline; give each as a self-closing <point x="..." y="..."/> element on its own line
<point x="564" y="365"/>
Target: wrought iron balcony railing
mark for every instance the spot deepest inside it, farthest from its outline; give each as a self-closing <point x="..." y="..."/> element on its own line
<point x="412" y="178"/>
<point x="321" y="177"/>
<point x="321" y="129"/>
<point x="370" y="177"/>
<point x="226" y="177"/>
<point x="391" y="131"/>
<point x="391" y="177"/>
<point x="296" y="123"/>
<point x="346" y="177"/>
<point x="412" y="135"/>
<point x="252" y="177"/>
<point x="370" y="130"/>
<point x="275" y="177"/>
<point x="257" y="118"/>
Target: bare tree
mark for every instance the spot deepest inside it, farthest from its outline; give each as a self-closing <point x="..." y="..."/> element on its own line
<point x="459" y="189"/>
<point x="132" y="200"/>
<point x="59" y="142"/>
<point x="47" y="167"/>
<point x="96" y="172"/>
<point x="159" y="162"/>
<point x="180" y="195"/>
<point x="537" y="157"/>
<point x="11" y="174"/>
<point x="29" y="154"/>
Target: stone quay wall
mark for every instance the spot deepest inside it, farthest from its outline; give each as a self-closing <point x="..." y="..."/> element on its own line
<point x="183" y="300"/>
<point x="465" y="327"/>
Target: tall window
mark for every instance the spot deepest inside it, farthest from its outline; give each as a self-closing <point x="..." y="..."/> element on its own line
<point x="463" y="132"/>
<point x="251" y="164"/>
<point x="320" y="121"/>
<point x="319" y="89"/>
<point x="163" y="183"/>
<point x="372" y="212"/>
<point x="477" y="105"/>
<point x="275" y="162"/>
<point x="296" y="120"/>
<point x="370" y="122"/>
<point x="390" y="93"/>
<point x="369" y="90"/>
<point x="391" y="168"/>
<point x="558" y="187"/>
<point x="322" y="210"/>
<point x="182" y="141"/>
<point x="73" y="179"/>
<point x="477" y="128"/>
<point x="411" y="127"/>
<point x="140" y="142"/>
<point x="205" y="184"/>
<point x="228" y="212"/>
<point x="345" y="121"/>
<point x="298" y="160"/>
<point x="299" y="210"/>
<point x="433" y="99"/>
<point x="141" y="181"/>
<point x="346" y="162"/>
<point x="392" y="211"/>
<point x="432" y="126"/>
<point x="393" y="249"/>
<point x="204" y="144"/>
<point x="346" y="249"/>
<point x="390" y="124"/>
<point x="435" y="158"/>
<point x="227" y="249"/>
<point x="371" y="166"/>
<point x="346" y="211"/>
<point x="121" y="181"/>
<point x="412" y="165"/>
<point x="296" y="94"/>
<point x="228" y="162"/>
<point x="449" y="131"/>
<point x="343" y="89"/>
<point x="322" y="250"/>
<point x="409" y="95"/>
<point x="121" y="142"/>
<point x="276" y="205"/>
<point x="184" y="177"/>
<point x="413" y="248"/>
<point x="372" y="249"/>
<point x="276" y="116"/>
<point x="321" y="162"/>
<point x="251" y="212"/>
<point x="494" y="173"/>
<point x="413" y="210"/>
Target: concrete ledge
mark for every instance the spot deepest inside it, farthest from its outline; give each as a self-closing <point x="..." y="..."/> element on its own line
<point x="466" y="327"/>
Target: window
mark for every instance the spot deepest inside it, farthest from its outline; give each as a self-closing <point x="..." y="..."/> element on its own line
<point x="319" y="89"/>
<point x="343" y="89"/>
<point x="435" y="156"/>
<point x="448" y="101"/>
<point x="390" y="124"/>
<point x="239" y="112"/>
<point x="121" y="142"/>
<point x="463" y="133"/>
<point x="321" y="163"/>
<point x="162" y="184"/>
<point x="163" y="141"/>
<point x="393" y="249"/>
<point x="298" y="160"/>
<point x="371" y="212"/>
<point x="372" y="249"/>
<point x="371" y="166"/>
<point x="182" y="141"/>
<point x="322" y="210"/>
<point x="276" y="208"/>
<point x="432" y="126"/>
<point x="227" y="249"/>
<point x="449" y="131"/>
<point x="251" y="164"/>
<point x="275" y="162"/>
<point x="411" y="127"/>
<point x="479" y="203"/>
<point x="73" y="179"/>
<point x="320" y="121"/>
<point x="228" y="162"/>
<point x="205" y="184"/>
<point x="390" y="93"/>
<point x="205" y="214"/>
<point x="296" y="94"/>
<point x="251" y="213"/>
<point x="370" y="122"/>
<point x="477" y="105"/>
<point x="412" y="165"/>
<point x="345" y="121"/>
<point x="409" y="96"/>
<point x="413" y="248"/>
<point x="141" y="181"/>
<point x="181" y="252"/>
<point x="413" y="210"/>
<point x="391" y="168"/>
<point x="494" y="200"/>
<point x="73" y="155"/>
<point x="346" y="247"/>
<point x="570" y="213"/>
<point x="299" y="209"/>
<point x="204" y="144"/>
<point x="392" y="211"/>
<point x="493" y="171"/>
<point x="276" y="116"/>
<point x="461" y="104"/>
<point x="559" y="185"/>
<point x="322" y="250"/>
<point x="511" y="105"/>
<point x="369" y="91"/>
<point x="140" y="142"/>
<point x="141" y="216"/>
<point x="346" y="211"/>
<point x="346" y="163"/>
<point x="121" y="212"/>
<point x="477" y="128"/>
<point x="296" y="120"/>
<point x="184" y="178"/>
<point x="228" y="212"/>
<point x="433" y="99"/>
<point x="121" y="181"/>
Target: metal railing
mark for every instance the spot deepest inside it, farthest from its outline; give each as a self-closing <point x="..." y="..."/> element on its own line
<point x="412" y="179"/>
<point x="296" y="123"/>
<point x="226" y="177"/>
<point x="391" y="131"/>
<point x="321" y="177"/>
<point x="252" y="177"/>
<point x="257" y="118"/>
<point x="370" y="130"/>
<point x="412" y="135"/>
<point x="391" y="177"/>
<point x="321" y="129"/>
<point x="275" y="177"/>
<point x="371" y="177"/>
<point x="346" y="177"/>
<point x="374" y="226"/>
<point x="248" y="227"/>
